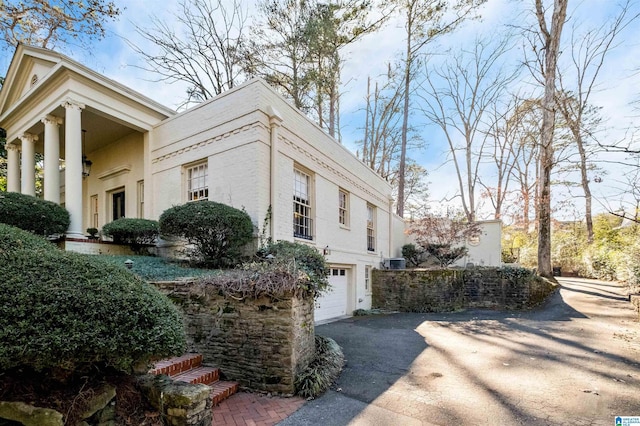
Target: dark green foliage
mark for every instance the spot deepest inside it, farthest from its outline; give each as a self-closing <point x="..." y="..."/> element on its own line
<point x="151" y="268"/>
<point x="218" y="232"/>
<point x="66" y="311"/>
<point x="304" y="257"/>
<point x="33" y="214"/>
<point x="514" y="273"/>
<point x="322" y="371"/>
<point x="93" y="232"/>
<point x="413" y="254"/>
<point x="444" y="253"/>
<point x="12" y="239"/>
<point x="136" y="233"/>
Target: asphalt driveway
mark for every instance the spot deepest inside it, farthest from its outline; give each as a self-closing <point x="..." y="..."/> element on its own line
<point x="574" y="361"/>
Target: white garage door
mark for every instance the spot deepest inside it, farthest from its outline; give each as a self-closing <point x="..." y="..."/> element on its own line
<point x="334" y="303"/>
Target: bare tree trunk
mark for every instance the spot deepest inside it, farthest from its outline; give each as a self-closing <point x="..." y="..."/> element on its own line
<point x="552" y="48"/>
<point x="405" y="126"/>
<point x="584" y="180"/>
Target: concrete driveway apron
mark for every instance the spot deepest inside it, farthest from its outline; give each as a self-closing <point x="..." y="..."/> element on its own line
<point x="574" y="361"/>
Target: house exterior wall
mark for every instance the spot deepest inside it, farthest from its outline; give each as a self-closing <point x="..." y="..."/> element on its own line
<point x="233" y="133"/>
<point x="119" y="165"/>
<point x="488" y="251"/>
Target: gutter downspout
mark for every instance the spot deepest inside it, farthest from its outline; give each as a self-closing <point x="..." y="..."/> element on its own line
<point x="391" y="254"/>
<point x="275" y="121"/>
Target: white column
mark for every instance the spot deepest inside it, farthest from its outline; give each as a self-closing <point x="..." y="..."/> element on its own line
<point x="52" y="158"/>
<point x="13" y="168"/>
<point x="28" y="174"/>
<point x="73" y="166"/>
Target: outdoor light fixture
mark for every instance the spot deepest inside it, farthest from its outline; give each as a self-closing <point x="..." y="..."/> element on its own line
<point x="86" y="163"/>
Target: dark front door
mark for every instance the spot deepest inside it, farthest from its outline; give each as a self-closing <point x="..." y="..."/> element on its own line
<point x="118" y="205"/>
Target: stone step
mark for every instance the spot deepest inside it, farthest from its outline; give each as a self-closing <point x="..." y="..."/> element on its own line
<point x="203" y="375"/>
<point x="177" y="365"/>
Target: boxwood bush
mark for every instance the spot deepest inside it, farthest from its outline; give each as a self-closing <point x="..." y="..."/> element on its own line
<point x="12" y="238"/>
<point x="33" y="214"/>
<point x="64" y="311"/>
<point x="217" y="232"/>
<point x="136" y="233"/>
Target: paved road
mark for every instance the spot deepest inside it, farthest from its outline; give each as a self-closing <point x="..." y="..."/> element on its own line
<point x="575" y="361"/>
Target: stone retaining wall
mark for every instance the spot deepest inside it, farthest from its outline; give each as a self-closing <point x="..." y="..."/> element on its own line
<point x="448" y="289"/>
<point x="262" y="344"/>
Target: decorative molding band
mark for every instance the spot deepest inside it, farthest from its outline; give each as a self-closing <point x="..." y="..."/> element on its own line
<point x="333" y="170"/>
<point x="116" y="171"/>
<point x="208" y="141"/>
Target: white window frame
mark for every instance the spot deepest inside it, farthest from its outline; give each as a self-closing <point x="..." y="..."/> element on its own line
<point x="367" y="279"/>
<point x="197" y="181"/>
<point x="343" y="208"/>
<point x="141" y="199"/>
<point x="302" y="204"/>
<point x="371" y="228"/>
<point x="95" y="215"/>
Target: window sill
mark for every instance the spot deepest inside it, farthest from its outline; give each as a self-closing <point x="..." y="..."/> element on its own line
<point x="345" y="227"/>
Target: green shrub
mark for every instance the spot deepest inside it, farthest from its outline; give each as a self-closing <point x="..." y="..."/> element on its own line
<point x="218" y="232"/>
<point x="33" y="214"/>
<point x="12" y="239"/>
<point x="136" y="233"/>
<point x="70" y="312"/>
<point x="304" y="257"/>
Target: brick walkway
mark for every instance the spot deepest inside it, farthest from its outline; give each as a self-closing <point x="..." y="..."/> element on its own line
<point x="254" y="410"/>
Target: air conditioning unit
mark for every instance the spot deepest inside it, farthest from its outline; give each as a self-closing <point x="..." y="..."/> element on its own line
<point x="395" y="263"/>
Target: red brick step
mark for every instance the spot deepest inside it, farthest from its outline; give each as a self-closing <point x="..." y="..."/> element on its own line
<point x="222" y="390"/>
<point x="177" y="365"/>
<point x="204" y="375"/>
<point x="189" y="368"/>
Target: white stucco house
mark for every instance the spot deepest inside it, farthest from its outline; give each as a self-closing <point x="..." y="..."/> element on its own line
<point x="247" y="148"/>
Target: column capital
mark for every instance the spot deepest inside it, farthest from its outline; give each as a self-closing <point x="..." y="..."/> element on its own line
<point x="51" y="119"/>
<point x="72" y="104"/>
<point x="28" y="137"/>
<point x="12" y="147"/>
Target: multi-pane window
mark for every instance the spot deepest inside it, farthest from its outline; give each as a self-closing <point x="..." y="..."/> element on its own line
<point x="371" y="228"/>
<point x="140" y="198"/>
<point x="302" y="222"/>
<point x="197" y="182"/>
<point x="367" y="278"/>
<point x="343" y="207"/>
<point x="94" y="211"/>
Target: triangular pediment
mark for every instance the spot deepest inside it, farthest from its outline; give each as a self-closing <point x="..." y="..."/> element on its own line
<point x="28" y="68"/>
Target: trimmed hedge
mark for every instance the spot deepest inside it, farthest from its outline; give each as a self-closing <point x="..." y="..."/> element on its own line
<point x="218" y="232"/>
<point x="33" y="214"/>
<point x="137" y="233"/>
<point x="67" y="311"/>
<point x="12" y="239"/>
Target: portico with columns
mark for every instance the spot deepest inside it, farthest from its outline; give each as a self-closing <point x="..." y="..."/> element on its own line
<point x="53" y="106"/>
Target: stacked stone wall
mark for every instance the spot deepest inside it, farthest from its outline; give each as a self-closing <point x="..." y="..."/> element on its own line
<point x="448" y="290"/>
<point x="261" y="343"/>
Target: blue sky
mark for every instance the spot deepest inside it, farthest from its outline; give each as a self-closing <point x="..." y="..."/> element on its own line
<point x="619" y="83"/>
